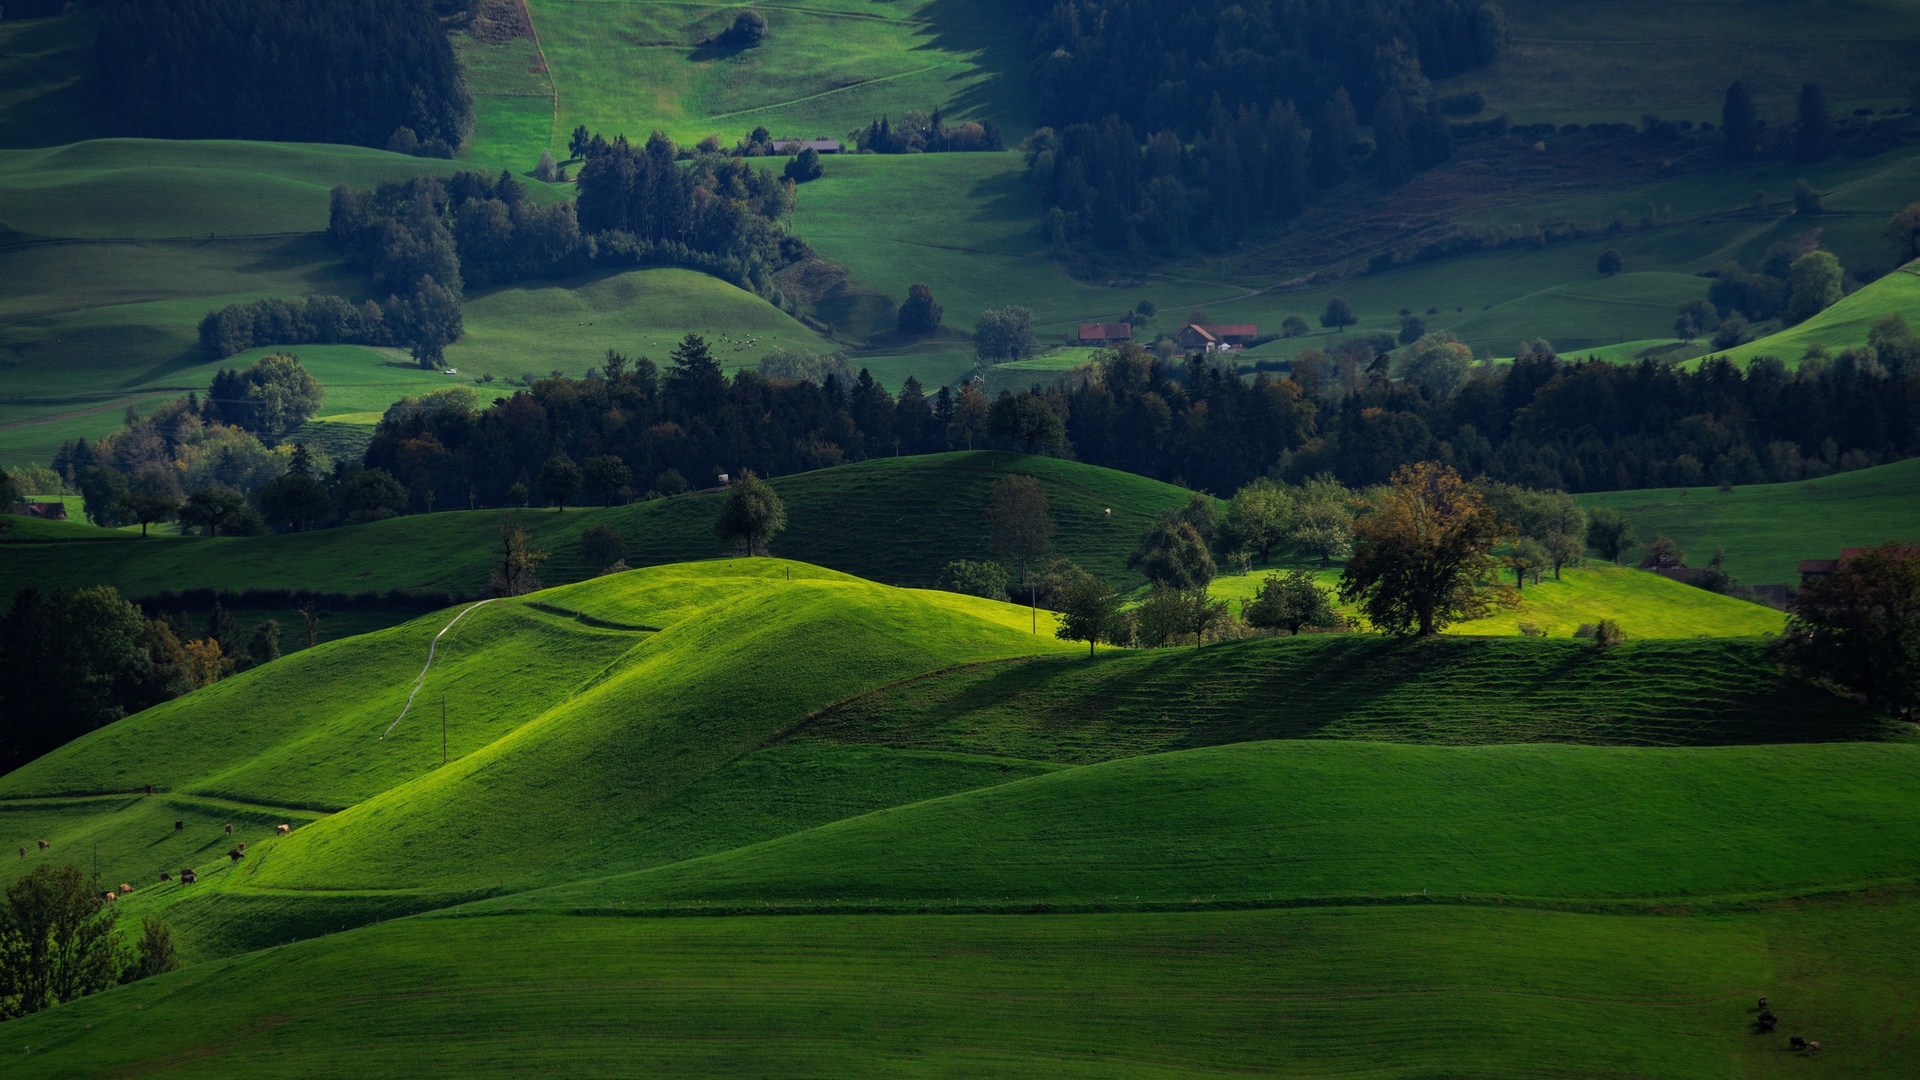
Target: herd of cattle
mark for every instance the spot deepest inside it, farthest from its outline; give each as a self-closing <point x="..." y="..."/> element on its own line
<point x="187" y="873"/>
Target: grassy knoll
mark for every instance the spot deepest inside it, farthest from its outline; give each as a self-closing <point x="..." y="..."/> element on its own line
<point x="1374" y="992"/>
<point x="568" y="325"/>
<point x="1768" y="528"/>
<point x="1456" y="692"/>
<point x="897" y="520"/>
<point x="1300" y="821"/>
<point x="825" y="67"/>
<point x="1845" y="324"/>
<point x="1646" y="605"/>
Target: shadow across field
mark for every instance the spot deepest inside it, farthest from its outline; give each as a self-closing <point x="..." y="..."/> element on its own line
<point x="1449" y="691"/>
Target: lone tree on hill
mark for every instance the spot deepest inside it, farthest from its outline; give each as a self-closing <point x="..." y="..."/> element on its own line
<point x="804" y="167"/>
<point x="1339" y="314"/>
<point x="515" y="561"/>
<point x="603" y="548"/>
<point x="749" y="29"/>
<point x="559" y="480"/>
<point x="1259" y="517"/>
<point x="1859" y="629"/>
<point x="1611" y="262"/>
<point x="1020" y="521"/>
<point x="1088" y="609"/>
<point x="1423" y="559"/>
<point x="920" y="314"/>
<point x="752" y="513"/>
<point x="1903" y="231"/>
<point x="606" y="475"/>
<point x="1292" y="603"/>
<point x="56" y="939"/>
<point x="1609" y="533"/>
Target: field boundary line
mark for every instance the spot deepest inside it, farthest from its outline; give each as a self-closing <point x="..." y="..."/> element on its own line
<point x="821" y="94"/>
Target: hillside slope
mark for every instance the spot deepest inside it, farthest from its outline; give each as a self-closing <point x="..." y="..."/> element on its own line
<point x="894" y="520"/>
<point x="1768" y="528"/>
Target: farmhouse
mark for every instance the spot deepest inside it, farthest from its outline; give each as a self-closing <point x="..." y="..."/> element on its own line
<point x="46" y="510"/>
<point x="1218" y="337"/>
<point x="1668" y="566"/>
<point x="795" y="146"/>
<point x="1102" y="335"/>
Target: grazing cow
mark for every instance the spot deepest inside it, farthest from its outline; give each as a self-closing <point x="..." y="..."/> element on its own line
<point x="242" y="845"/>
<point x="1813" y="1046"/>
<point x="235" y="854"/>
<point x="44" y="845"/>
<point x="125" y="888"/>
<point x="1768" y="1021"/>
<point x="179" y="824"/>
<point x="1763" y="1003"/>
<point x="283" y="829"/>
<point x="229" y="830"/>
<point x="109" y="896"/>
<point x="164" y="876"/>
<point x="188" y="877"/>
<point x="1797" y="1043"/>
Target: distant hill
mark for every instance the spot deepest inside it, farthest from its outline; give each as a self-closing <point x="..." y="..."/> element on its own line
<point x="896" y="520"/>
<point x="1768" y="528"/>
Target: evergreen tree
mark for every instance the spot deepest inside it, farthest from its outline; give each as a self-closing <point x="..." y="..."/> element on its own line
<point x="1739" y="125"/>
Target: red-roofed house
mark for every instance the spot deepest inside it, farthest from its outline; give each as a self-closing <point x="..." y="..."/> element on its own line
<point x="1819" y="568"/>
<point x="1102" y="335"/>
<point x="1218" y="337"/>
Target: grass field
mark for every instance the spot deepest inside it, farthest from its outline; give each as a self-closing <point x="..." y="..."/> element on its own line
<point x="1337" y="993"/>
<point x="898" y="752"/>
<point x="824" y="68"/>
<point x="895" y="520"/>
<point x="1454" y="692"/>
<point x="1566" y="60"/>
<point x="1768" y="528"/>
<point x="1845" y="324"/>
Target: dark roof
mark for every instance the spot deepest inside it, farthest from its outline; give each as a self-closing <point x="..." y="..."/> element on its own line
<point x="1819" y="566"/>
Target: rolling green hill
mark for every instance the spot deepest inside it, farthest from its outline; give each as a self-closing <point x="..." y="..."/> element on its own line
<point x="723" y="737"/>
<point x="1449" y="691"/>
<point x="1768" y="528"/>
<point x="897" y="520"/>
<point x="1845" y="324"/>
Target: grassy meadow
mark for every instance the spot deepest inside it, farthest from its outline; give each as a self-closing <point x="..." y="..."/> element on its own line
<point x="1767" y="529"/>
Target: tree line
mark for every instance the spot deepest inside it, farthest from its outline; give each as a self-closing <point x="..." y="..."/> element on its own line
<point x="363" y="72"/>
<point x="1169" y="124"/>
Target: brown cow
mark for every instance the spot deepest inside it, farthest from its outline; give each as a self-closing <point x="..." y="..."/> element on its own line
<point x="235" y="854"/>
<point x="229" y="830"/>
<point x="164" y="876"/>
<point x="125" y="888"/>
<point x="44" y="845"/>
<point x="109" y="896"/>
<point x="179" y="824"/>
<point x="283" y="829"/>
<point x="1813" y="1047"/>
<point x="242" y="845"/>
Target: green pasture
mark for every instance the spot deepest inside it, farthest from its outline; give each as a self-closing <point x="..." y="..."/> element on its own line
<point x="824" y="68"/>
<point x="1584" y="63"/>
<point x="569" y="325"/>
<point x="1452" y="691"/>
<point x="896" y="520"/>
<point x="1768" y="528"/>
<point x="1298" y="822"/>
<point x="1845" y="324"/>
<point x="1384" y="992"/>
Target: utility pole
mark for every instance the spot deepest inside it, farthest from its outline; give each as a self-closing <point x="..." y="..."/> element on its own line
<point x="443" y="727"/>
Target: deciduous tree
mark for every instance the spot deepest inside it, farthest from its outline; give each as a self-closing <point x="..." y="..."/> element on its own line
<point x="1292" y="603"/>
<point x="559" y="480"/>
<point x="515" y="562"/>
<point x="1858" y="629"/>
<point x="1020" y="522"/>
<point x="752" y="513"/>
<point x="57" y="941"/>
<point x="1423" y="557"/>
<point x="1087" y="609"/>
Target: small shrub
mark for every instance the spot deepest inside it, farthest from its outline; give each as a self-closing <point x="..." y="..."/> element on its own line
<point x="749" y="29"/>
<point x="1528" y="629"/>
<point x="975" y="578"/>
